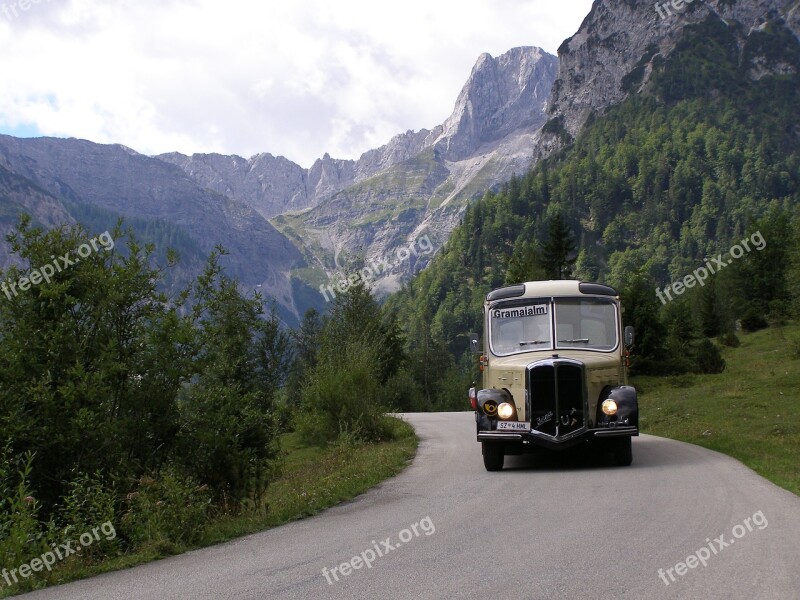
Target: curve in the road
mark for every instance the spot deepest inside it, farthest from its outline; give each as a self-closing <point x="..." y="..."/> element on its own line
<point x="445" y="528"/>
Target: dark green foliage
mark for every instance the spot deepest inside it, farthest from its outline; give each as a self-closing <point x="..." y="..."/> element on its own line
<point x="711" y="322"/>
<point x="80" y="382"/>
<point x="558" y="250"/>
<point x="793" y="274"/>
<point x="762" y="275"/>
<point x="20" y="531"/>
<point x="641" y="310"/>
<point x="730" y="339"/>
<point x="708" y="358"/>
<point x="525" y="264"/>
<point x="753" y="320"/>
<point x="110" y="391"/>
<point x="343" y="396"/>
<point x="633" y="79"/>
<point x="90" y="502"/>
<point x="706" y="60"/>
<point x="555" y="126"/>
<point x="165" y="512"/>
<point x="228" y="436"/>
<point x="361" y="350"/>
<point x="306" y="341"/>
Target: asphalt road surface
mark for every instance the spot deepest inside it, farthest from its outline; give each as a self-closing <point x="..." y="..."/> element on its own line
<point x="553" y="528"/>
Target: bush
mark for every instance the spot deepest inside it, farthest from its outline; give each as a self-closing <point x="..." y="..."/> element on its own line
<point x="284" y="406"/>
<point x="402" y="393"/>
<point x="88" y="504"/>
<point x="452" y="391"/>
<point x="227" y="442"/>
<point x="344" y="397"/>
<point x="166" y="512"/>
<point x="708" y="358"/>
<point x="21" y="535"/>
<point x="753" y="320"/>
<point x="729" y="339"/>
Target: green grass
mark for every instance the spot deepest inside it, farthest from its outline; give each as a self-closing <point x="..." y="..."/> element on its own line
<point x="751" y="411"/>
<point x="312" y="479"/>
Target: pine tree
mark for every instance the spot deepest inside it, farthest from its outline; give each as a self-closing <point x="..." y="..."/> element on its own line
<point x="558" y="252"/>
<point x="710" y="318"/>
<point x="525" y="264"/>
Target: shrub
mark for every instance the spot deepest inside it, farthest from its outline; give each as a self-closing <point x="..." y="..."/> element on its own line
<point x="753" y="320"/>
<point x="344" y="397"/>
<point x="227" y="442"/>
<point x="21" y="535"/>
<point x="88" y="504"/>
<point x="402" y="393"/>
<point x="659" y="367"/>
<point x="708" y="358"/>
<point x="452" y="391"/>
<point x="284" y="406"/>
<point x="166" y="511"/>
<point x="729" y="339"/>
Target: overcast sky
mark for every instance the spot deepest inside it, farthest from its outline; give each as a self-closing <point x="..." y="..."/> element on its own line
<point x="244" y="77"/>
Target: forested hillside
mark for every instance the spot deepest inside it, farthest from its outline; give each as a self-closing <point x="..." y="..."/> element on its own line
<point x="706" y="155"/>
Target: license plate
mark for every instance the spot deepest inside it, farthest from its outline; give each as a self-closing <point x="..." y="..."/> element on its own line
<point x="513" y="426"/>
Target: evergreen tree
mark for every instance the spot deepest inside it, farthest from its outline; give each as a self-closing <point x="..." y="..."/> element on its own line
<point x="641" y="310"/>
<point x="306" y="341"/>
<point x="710" y="318"/>
<point x="558" y="251"/>
<point x="525" y="264"/>
<point x="228" y="436"/>
<point x="794" y="270"/>
<point x="361" y="348"/>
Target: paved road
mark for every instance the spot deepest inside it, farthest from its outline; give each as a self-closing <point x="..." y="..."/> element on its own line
<point x="553" y="529"/>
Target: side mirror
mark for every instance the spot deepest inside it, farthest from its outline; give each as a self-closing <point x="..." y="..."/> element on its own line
<point x="475" y="343"/>
<point x="630" y="336"/>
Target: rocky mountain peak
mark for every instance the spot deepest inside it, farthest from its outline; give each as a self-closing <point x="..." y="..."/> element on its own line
<point x="502" y="95"/>
<point x="620" y="39"/>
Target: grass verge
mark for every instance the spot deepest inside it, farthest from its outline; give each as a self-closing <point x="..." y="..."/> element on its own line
<point x="751" y="411"/>
<point x="311" y="480"/>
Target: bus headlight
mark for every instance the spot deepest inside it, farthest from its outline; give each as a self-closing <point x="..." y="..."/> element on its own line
<point x="609" y="407"/>
<point x="505" y="411"/>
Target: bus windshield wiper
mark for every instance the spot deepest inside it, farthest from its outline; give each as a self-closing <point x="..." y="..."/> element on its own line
<point x="534" y="342"/>
<point x="580" y="341"/>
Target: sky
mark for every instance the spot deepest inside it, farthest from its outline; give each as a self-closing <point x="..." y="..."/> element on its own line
<point x="245" y="77"/>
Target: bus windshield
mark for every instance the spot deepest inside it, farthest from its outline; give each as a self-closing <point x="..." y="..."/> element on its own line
<point x="579" y="323"/>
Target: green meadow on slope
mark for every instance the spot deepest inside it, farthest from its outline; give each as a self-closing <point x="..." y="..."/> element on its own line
<point x="750" y="412"/>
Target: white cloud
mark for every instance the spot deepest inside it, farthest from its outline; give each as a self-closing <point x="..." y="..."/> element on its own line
<point x="246" y="77"/>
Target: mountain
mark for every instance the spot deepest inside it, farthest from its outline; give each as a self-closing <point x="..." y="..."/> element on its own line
<point x="418" y="184"/>
<point x="20" y="195"/>
<point x="77" y="180"/>
<point x="620" y="45"/>
<point x="291" y="229"/>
